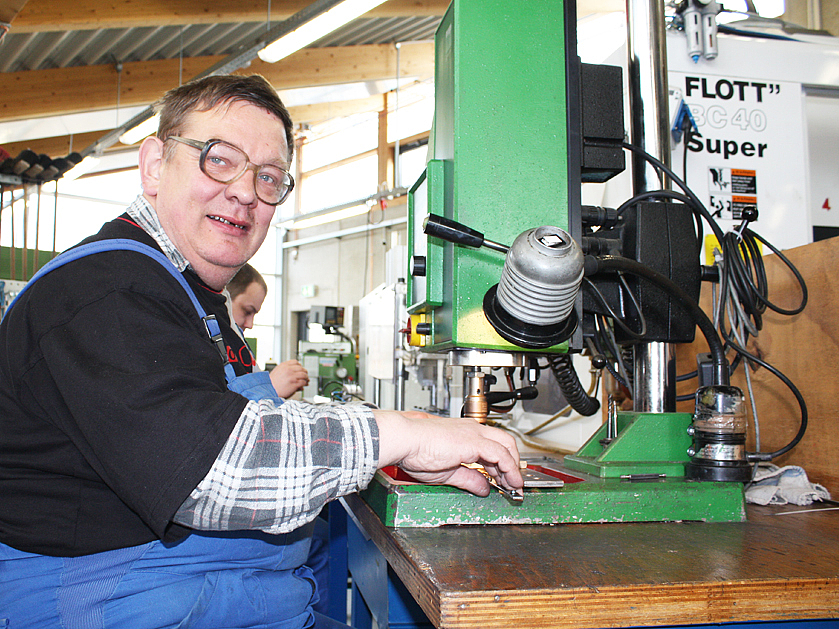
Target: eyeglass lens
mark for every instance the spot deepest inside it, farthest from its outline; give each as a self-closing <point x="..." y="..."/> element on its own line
<point x="224" y="163"/>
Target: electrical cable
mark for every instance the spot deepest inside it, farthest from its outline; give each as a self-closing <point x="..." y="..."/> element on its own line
<point x="592" y="389"/>
<point x="748" y="375"/>
<point x="619" y="371"/>
<point x="763" y="298"/>
<point x="802" y="428"/>
<point x="667" y="194"/>
<point x="566" y="376"/>
<point x="696" y="203"/>
<point x="730" y="30"/>
<point x="652" y="194"/>
<point x="744" y="309"/>
<point x="511" y="385"/>
<point x="527" y="440"/>
<point x="743" y="294"/>
<point x="605" y="305"/>
<point x="635" y="304"/>
<point x="617" y="263"/>
<point x="599" y="350"/>
<point x="687" y="376"/>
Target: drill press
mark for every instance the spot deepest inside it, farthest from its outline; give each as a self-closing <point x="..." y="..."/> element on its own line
<point x="510" y="145"/>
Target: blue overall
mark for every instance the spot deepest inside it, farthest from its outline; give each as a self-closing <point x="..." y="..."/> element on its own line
<point x="229" y="580"/>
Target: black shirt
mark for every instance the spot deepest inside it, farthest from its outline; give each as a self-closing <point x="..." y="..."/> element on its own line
<point x="113" y="402"/>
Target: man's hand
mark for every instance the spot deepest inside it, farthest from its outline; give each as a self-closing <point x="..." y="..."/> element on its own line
<point x="432" y="449"/>
<point x="289" y="377"/>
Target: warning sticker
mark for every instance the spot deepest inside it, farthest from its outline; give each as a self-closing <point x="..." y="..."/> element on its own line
<point x="720" y="206"/>
<point x="731" y="190"/>
<point x="743" y="182"/>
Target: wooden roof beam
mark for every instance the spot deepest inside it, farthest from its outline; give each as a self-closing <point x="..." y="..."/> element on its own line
<point x="60" y="15"/>
<point x="58" y="91"/>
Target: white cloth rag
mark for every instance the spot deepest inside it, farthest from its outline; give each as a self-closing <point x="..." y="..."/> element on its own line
<point x="784" y="485"/>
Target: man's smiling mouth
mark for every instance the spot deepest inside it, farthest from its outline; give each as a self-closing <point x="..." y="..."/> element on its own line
<point x="225" y="221"/>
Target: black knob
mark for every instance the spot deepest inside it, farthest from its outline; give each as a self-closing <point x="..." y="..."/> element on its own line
<point x="423" y="328"/>
<point x="418" y="267"/>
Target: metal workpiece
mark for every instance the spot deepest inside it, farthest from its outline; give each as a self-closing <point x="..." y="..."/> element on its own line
<point x="541" y="277"/>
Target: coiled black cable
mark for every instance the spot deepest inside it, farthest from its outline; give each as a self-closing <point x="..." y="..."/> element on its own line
<point x="802" y="405"/>
<point x="566" y="376"/>
<point x="745" y="272"/>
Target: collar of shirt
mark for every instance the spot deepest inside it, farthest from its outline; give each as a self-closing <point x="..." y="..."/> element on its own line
<point x="144" y="215"/>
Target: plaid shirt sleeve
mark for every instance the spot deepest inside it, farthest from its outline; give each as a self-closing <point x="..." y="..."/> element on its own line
<point x="281" y="464"/>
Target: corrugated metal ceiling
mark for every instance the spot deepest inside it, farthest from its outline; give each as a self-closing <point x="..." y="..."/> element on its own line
<point x="64" y="49"/>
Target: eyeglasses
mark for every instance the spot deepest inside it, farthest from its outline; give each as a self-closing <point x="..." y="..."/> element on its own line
<point x="225" y="163"/>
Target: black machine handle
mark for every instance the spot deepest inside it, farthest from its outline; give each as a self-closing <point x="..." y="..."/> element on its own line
<point x="452" y="231"/>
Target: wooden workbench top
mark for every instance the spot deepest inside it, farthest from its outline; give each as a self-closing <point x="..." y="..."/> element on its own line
<point x="773" y="567"/>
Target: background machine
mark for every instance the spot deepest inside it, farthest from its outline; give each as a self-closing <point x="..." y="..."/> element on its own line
<point x="332" y="364"/>
<point x="509" y="275"/>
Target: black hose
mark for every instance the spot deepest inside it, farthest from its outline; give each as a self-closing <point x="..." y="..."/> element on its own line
<point x="706" y="326"/>
<point x="569" y="383"/>
<point x="696" y="203"/>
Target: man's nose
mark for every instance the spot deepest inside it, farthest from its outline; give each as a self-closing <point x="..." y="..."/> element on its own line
<point x="244" y="186"/>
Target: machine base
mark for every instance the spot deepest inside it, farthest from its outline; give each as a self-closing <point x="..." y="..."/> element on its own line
<point x="636" y="476"/>
<point x="583" y="498"/>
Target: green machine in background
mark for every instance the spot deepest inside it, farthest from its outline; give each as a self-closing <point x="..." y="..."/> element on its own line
<point x="332" y="365"/>
<point x="493" y="217"/>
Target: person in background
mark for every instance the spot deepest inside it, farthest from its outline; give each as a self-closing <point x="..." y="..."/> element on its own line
<point x="246" y="294"/>
<point x="145" y="480"/>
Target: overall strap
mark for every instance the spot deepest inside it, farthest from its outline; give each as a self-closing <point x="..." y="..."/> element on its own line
<point x="115" y="244"/>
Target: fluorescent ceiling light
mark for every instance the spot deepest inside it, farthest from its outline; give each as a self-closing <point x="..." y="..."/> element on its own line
<point x="321" y="219"/>
<point x="82" y="168"/>
<point x="316" y="28"/>
<point x="142" y="130"/>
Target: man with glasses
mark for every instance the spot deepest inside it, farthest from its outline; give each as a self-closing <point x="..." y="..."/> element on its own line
<point x="142" y="484"/>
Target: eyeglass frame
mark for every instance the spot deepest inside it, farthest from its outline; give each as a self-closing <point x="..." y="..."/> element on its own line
<point x="205" y="147"/>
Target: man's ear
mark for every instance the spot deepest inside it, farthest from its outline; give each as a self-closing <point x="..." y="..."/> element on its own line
<point x="151" y="161"/>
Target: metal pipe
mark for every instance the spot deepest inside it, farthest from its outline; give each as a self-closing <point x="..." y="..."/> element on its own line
<point x="654" y="388"/>
<point x="654" y="385"/>
<point x="377" y="392"/>
<point x="647" y="76"/>
<point x="814" y="15"/>
<point x="399" y="374"/>
<point x="399" y="381"/>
